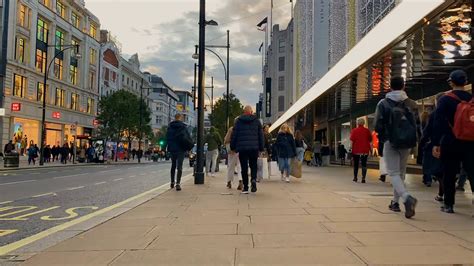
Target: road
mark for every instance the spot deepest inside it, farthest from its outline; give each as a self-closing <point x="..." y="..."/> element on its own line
<point x="32" y="201"/>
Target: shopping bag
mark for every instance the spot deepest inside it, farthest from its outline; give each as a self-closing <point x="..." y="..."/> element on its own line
<point x="296" y="168"/>
<point x="273" y="168"/>
<point x="382" y="165"/>
<point x="262" y="171"/>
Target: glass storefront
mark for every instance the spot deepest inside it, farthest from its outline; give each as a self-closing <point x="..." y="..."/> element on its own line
<point x="25" y="132"/>
<point x="53" y="134"/>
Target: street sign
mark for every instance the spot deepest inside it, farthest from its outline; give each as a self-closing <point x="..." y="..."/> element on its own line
<point x="56" y="115"/>
<point x="16" y="107"/>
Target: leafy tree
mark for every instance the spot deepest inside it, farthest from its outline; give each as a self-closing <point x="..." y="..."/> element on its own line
<point x="218" y="116"/>
<point x="119" y="117"/>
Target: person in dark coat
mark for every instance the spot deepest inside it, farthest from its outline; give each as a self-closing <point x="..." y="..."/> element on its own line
<point x="47" y="154"/>
<point x="177" y="138"/>
<point x="248" y="141"/>
<point x="286" y="150"/>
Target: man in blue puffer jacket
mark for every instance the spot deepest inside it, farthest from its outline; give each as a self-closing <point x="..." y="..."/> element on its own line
<point x="248" y="141"/>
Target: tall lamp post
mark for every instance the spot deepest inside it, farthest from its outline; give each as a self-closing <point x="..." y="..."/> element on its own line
<point x="140" y="133"/>
<point x="46" y="71"/>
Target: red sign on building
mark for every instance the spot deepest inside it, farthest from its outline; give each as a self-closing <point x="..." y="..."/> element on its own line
<point x="16" y="107"/>
<point x="56" y="115"/>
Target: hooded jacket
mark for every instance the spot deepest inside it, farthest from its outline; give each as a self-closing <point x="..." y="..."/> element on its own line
<point x="176" y="129"/>
<point x="286" y="145"/>
<point x="247" y="135"/>
<point x="213" y="140"/>
<point x="382" y="113"/>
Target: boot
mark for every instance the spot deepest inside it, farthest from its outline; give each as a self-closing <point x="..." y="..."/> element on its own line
<point x="229" y="185"/>
<point x="239" y="187"/>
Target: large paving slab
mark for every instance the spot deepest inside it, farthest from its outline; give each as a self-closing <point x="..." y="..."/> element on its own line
<point x="304" y="240"/>
<point x="370" y="227"/>
<point x="75" y="258"/>
<point x="208" y="241"/>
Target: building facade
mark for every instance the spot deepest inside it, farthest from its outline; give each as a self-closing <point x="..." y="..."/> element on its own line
<point x="37" y="33"/>
<point x="162" y="102"/>
<point x="110" y="65"/>
<point x="185" y="106"/>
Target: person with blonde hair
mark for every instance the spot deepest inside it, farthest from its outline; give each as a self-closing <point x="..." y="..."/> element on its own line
<point x="232" y="160"/>
<point x="286" y="150"/>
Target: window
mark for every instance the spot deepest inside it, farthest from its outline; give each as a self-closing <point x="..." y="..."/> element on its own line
<point x="75" y="20"/>
<point x="132" y="82"/>
<point x="281" y="103"/>
<point x="42" y="31"/>
<point x="128" y="81"/>
<point x="60" y="97"/>
<point x="123" y="78"/>
<point x="74" y="101"/>
<point x="58" y="68"/>
<point x="40" y="92"/>
<point x="281" y="83"/>
<point x="91" y="80"/>
<point x="47" y="3"/>
<point x="281" y="46"/>
<point x="19" y="86"/>
<point x="24" y="15"/>
<point x="93" y="30"/>
<point x="20" y="50"/>
<point x="281" y="63"/>
<point x="59" y="39"/>
<point x="90" y="106"/>
<point x="61" y="9"/>
<point x="73" y="74"/>
<point x="40" y="60"/>
<point x="93" y="56"/>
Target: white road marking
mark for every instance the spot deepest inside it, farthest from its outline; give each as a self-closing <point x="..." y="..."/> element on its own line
<point x="100" y="183"/>
<point x="66" y="176"/>
<point x="118" y="179"/>
<point x="5" y="202"/>
<point x="75" y="188"/>
<point x="46" y="194"/>
<point x="132" y="176"/>
<point x="19" y="182"/>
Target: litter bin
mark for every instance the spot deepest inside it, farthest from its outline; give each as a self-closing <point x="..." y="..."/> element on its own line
<point x="11" y="160"/>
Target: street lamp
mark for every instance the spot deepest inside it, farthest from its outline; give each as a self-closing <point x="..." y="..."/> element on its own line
<point x="46" y="71"/>
<point x="140" y="133"/>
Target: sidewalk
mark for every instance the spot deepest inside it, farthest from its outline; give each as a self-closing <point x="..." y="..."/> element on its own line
<point x="323" y="218"/>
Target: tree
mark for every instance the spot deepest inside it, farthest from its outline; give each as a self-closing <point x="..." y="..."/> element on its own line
<point x="218" y="116"/>
<point x="119" y="117"/>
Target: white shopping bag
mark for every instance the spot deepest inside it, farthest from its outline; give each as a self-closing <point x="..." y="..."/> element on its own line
<point x="382" y="166"/>
<point x="273" y="167"/>
<point x="262" y="170"/>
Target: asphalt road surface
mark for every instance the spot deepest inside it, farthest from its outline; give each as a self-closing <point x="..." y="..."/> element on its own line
<point x="32" y="201"/>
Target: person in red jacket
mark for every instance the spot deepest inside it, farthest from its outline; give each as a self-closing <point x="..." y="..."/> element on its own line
<point x="361" y="139"/>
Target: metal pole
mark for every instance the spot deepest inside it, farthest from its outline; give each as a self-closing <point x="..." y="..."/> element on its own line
<point x="199" y="174"/>
<point x="43" y="116"/>
<point x="212" y="95"/>
<point x="195" y="79"/>
<point x="227" y="109"/>
<point x="140" y="129"/>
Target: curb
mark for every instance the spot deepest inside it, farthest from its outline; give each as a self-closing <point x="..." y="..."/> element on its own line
<point x="66" y="166"/>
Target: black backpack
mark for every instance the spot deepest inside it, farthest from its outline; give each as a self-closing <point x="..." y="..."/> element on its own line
<point x="185" y="140"/>
<point x="401" y="127"/>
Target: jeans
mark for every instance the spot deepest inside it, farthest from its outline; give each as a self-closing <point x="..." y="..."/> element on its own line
<point x="318" y="161"/>
<point x="362" y="158"/>
<point x="177" y="159"/>
<point x="462" y="178"/>
<point x="396" y="164"/>
<point x="300" y="154"/>
<point x="232" y="166"/>
<point x="284" y="165"/>
<point x="248" y="158"/>
<point x="211" y="160"/>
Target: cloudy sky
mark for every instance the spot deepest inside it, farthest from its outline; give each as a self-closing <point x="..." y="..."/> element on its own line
<point x="164" y="32"/>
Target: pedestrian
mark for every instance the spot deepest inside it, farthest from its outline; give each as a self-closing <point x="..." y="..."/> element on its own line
<point x="453" y="140"/>
<point x="286" y="151"/>
<point x="361" y="139"/>
<point x="247" y="140"/>
<point x="308" y="156"/>
<point x="214" y="141"/>
<point x="24" y="142"/>
<point x="32" y="154"/>
<point x="179" y="142"/>
<point x="47" y="154"/>
<point x="134" y="153"/>
<point x="300" y="146"/>
<point x="9" y="147"/>
<point x="64" y="151"/>
<point x="341" y="153"/>
<point x="268" y="141"/>
<point x="232" y="161"/>
<point x="396" y="126"/>
<point x="317" y="146"/>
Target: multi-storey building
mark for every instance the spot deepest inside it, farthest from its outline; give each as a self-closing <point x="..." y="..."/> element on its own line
<point x="163" y="102"/>
<point x="110" y="68"/>
<point x="37" y="32"/>
<point x="185" y="106"/>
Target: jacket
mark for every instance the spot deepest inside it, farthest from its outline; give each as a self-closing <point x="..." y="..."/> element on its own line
<point x="176" y="130"/>
<point x="213" y="140"/>
<point x="286" y="145"/>
<point x="361" y="139"/>
<point x="247" y="135"/>
<point x="382" y="114"/>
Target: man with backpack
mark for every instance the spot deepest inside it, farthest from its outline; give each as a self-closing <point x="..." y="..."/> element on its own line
<point x="453" y="140"/>
<point x="395" y="123"/>
<point x="179" y="142"/>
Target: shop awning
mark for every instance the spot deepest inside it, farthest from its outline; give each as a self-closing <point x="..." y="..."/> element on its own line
<point x="399" y="22"/>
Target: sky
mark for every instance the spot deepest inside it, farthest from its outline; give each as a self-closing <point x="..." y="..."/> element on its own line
<point x="164" y="32"/>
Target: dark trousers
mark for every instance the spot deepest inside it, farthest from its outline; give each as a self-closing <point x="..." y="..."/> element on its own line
<point x="177" y="159"/>
<point x="248" y="158"/>
<point x="452" y="156"/>
<point x="363" y="161"/>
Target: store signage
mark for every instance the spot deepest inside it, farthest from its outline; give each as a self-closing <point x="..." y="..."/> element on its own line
<point x="16" y="107"/>
<point x="56" y="115"/>
<point x="268" y="96"/>
<point x="2" y="111"/>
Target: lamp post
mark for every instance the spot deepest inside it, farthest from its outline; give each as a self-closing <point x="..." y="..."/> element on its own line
<point x="46" y="71"/>
<point x="140" y="133"/>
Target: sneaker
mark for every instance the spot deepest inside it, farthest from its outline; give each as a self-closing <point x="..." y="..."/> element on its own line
<point x="287" y="179"/>
<point x="447" y="209"/>
<point x="394" y="206"/>
<point x="383" y="178"/>
<point x="428" y="184"/>
<point x="239" y="187"/>
<point x="355" y="179"/>
<point x="254" y="187"/>
<point x="213" y="175"/>
<point x="410" y="205"/>
<point x="245" y="191"/>
<point x="178" y="187"/>
<point x="229" y="185"/>
<point x="458" y="188"/>
<point x="439" y="198"/>
<point x="363" y="180"/>
<point x="172" y="185"/>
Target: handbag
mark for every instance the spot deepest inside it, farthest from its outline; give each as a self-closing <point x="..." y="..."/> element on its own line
<point x="296" y="168"/>
<point x="273" y="168"/>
